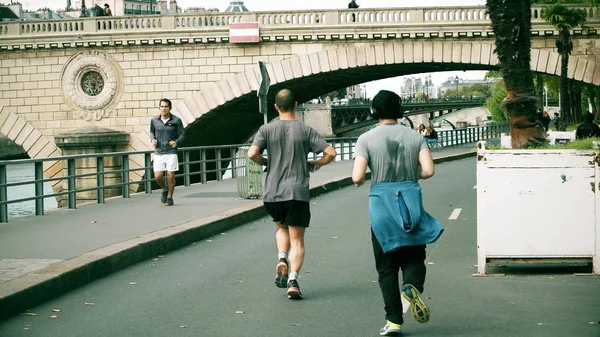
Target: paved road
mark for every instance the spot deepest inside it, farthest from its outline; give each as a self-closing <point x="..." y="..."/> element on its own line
<point x="224" y="287"/>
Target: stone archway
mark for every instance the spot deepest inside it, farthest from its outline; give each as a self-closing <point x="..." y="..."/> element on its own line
<point x="36" y="145"/>
<point x="226" y="112"/>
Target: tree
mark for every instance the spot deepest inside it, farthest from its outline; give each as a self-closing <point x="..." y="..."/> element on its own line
<point x="511" y="23"/>
<point x="339" y="94"/>
<point x="494" y="103"/>
<point x="564" y="19"/>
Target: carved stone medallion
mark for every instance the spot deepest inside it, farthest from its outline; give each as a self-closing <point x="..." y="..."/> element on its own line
<point x="92" y="84"/>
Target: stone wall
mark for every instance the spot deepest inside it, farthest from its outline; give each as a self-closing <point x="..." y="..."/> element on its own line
<point x="33" y="83"/>
<point x="317" y="116"/>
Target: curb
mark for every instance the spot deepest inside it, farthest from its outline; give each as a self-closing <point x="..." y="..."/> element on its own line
<point x="53" y="281"/>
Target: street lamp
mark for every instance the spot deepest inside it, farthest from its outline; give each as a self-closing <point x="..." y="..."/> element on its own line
<point x="546" y="102"/>
<point x="456" y="80"/>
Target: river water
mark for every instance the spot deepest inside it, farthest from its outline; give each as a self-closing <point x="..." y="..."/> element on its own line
<point x="25" y="172"/>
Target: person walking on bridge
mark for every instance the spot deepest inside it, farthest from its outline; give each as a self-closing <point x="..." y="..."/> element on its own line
<point x="400" y="228"/>
<point x="166" y="132"/>
<point x="286" y="186"/>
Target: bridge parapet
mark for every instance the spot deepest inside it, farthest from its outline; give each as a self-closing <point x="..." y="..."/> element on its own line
<point x="439" y="18"/>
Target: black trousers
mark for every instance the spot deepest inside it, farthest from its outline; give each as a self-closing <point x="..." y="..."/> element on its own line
<point x="412" y="262"/>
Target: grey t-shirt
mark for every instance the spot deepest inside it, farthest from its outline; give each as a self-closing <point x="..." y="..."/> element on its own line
<point x="392" y="151"/>
<point x="288" y="144"/>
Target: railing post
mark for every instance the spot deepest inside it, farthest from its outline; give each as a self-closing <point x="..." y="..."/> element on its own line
<point x="218" y="161"/>
<point x="72" y="195"/>
<point x="125" y="176"/>
<point x="3" y="194"/>
<point x="100" y="180"/>
<point x="343" y="150"/>
<point x="148" y="173"/>
<point x="186" y="168"/>
<point x="203" y="166"/>
<point x="39" y="188"/>
<point x="233" y="161"/>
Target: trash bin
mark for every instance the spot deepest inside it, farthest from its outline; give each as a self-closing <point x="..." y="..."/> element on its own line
<point x="249" y="176"/>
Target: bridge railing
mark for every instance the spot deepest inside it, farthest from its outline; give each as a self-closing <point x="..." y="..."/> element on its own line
<point x="472" y="134"/>
<point x="438" y="16"/>
<point x="198" y="165"/>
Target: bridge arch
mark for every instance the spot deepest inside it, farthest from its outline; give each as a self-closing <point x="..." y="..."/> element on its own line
<point x="34" y="143"/>
<point x="226" y="112"/>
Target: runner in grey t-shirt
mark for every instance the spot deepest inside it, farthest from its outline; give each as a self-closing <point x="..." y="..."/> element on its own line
<point x="395" y="153"/>
<point x="286" y="192"/>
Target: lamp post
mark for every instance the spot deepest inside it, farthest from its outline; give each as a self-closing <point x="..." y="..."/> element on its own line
<point x="546" y="100"/>
<point x="456" y="80"/>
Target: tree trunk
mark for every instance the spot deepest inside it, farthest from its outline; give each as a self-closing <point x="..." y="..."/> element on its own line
<point x="592" y="95"/>
<point x="577" y="101"/>
<point x="511" y="23"/>
<point x="565" y="106"/>
<point x="540" y="91"/>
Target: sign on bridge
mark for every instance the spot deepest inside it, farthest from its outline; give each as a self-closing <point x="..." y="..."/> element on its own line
<point x="243" y="32"/>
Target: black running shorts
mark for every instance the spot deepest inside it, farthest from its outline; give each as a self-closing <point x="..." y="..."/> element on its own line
<point x="291" y="213"/>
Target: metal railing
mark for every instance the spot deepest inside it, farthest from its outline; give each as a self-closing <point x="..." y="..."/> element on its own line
<point x="471" y="135"/>
<point x="197" y="165"/>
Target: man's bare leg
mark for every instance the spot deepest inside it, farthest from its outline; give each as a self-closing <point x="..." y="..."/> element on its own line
<point x="296" y="248"/>
<point x="171" y="179"/>
<point x="159" y="177"/>
<point x="296" y="260"/>
<point x="282" y="240"/>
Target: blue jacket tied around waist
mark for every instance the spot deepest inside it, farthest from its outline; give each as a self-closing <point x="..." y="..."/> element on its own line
<point x="398" y="218"/>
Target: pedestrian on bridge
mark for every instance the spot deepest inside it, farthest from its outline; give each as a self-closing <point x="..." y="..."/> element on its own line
<point x="166" y="132"/>
<point x="400" y="228"/>
<point x="353" y="5"/>
<point x="285" y="192"/>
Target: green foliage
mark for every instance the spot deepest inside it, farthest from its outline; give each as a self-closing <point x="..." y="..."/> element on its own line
<point x="420" y="95"/>
<point x="581" y="144"/>
<point x="566" y="2"/>
<point x="494" y="103"/>
<point x="475" y="90"/>
<point x="563" y="17"/>
<point x="552" y="83"/>
<point x="339" y="94"/>
<point x="493" y="74"/>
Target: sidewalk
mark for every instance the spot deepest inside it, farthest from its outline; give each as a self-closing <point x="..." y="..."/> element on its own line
<point x="42" y="257"/>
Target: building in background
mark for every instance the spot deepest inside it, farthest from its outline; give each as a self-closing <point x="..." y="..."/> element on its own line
<point x="236" y="7"/>
<point x="356" y="91"/>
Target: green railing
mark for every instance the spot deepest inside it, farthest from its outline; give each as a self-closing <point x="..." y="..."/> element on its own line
<point x="197" y="165"/>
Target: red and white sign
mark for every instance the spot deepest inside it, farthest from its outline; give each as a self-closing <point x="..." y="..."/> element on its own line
<point x="243" y="32"/>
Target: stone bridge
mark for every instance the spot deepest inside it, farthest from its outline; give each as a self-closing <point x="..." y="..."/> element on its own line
<point x="110" y="72"/>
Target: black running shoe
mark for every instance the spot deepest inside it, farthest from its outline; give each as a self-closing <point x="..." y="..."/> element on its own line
<point x="169" y="202"/>
<point x="163" y="197"/>
<point x="281" y="273"/>
<point x="293" y="290"/>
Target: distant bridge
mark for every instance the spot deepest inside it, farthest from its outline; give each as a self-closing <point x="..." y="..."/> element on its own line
<point x="346" y="118"/>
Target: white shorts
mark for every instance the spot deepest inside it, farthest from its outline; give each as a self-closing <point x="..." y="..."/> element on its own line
<point x="166" y="162"/>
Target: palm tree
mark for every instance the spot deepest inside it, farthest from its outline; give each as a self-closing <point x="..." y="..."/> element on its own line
<point x="511" y="23"/>
<point x="564" y="19"/>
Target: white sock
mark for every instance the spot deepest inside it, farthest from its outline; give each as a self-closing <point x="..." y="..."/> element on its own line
<point x="293" y="276"/>
<point x="282" y="255"/>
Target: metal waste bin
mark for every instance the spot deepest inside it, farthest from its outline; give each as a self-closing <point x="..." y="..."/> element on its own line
<point x="249" y="176"/>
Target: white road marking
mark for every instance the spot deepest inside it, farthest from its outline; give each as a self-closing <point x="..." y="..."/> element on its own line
<point x="455" y="214"/>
